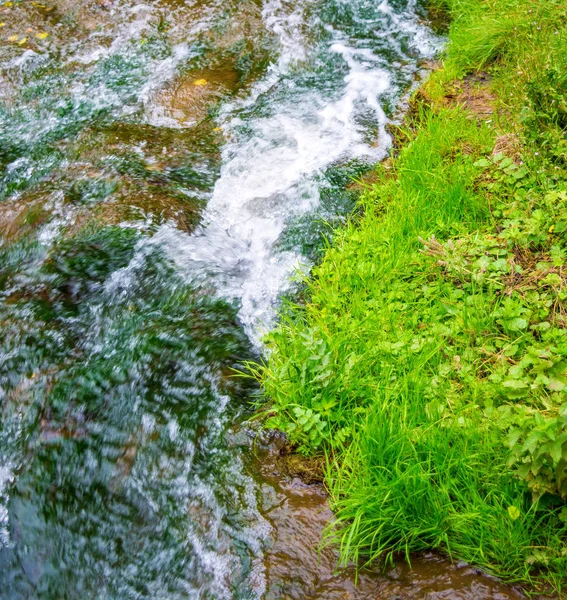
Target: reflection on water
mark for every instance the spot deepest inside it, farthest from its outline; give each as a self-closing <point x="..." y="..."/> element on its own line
<point x="164" y="168"/>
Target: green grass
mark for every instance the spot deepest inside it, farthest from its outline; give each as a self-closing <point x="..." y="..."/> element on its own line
<point x="430" y="361"/>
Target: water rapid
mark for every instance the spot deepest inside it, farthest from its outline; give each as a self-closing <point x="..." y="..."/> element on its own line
<point x="165" y="169"/>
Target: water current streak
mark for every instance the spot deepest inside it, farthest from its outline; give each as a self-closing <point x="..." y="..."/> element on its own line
<point x="162" y="167"/>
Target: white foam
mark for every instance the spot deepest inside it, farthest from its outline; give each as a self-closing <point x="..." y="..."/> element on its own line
<point x="6" y="479"/>
<point x="268" y="171"/>
<point x="289" y="26"/>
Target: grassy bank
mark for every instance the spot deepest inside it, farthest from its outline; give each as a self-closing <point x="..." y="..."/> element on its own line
<point x="430" y="361"/>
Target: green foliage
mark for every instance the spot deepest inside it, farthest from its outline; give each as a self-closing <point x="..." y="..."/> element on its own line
<point x="519" y="271"/>
<point x="545" y="116"/>
<point x="538" y="444"/>
<point x="513" y="32"/>
<point x="312" y="382"/>
<point x="430" y="362"/>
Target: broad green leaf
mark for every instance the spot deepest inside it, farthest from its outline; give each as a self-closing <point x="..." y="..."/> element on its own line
<point x="483" y="162"/>
<point x="515" y="384"/>
<point x="516" y="324"/>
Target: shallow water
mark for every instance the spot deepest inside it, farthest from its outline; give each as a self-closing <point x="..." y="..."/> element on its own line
<point x="298" y="514"/>
<point x="165" y="169"/>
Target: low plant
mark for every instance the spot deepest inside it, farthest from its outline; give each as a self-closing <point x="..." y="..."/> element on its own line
<point x="429" y="362"/>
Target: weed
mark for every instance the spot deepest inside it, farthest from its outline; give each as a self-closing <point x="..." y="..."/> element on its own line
<point x="430" y="361"/>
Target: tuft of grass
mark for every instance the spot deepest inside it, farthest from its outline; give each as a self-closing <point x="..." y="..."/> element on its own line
<point x="430" y="362"/>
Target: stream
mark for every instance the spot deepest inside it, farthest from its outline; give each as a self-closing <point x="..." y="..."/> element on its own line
<point x="166" y="170"/>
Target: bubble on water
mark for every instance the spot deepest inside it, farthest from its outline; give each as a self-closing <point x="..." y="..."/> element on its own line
<point x="269" y="167"/>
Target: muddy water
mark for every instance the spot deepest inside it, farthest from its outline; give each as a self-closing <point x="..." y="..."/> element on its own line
<point x="299" y="512"/>
<point x="165" y="167"/>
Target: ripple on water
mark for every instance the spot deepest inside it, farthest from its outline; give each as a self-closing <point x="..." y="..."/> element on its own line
<point x="122" y="320"/>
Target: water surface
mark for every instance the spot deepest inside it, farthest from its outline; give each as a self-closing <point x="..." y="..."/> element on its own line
<point x="165" y="167"/>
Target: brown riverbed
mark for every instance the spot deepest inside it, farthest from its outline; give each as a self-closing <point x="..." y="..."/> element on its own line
<point x="298" y="566"/>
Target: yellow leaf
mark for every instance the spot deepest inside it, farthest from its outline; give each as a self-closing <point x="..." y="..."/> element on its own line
<point x="2" y="24"/>
<point x="13" y="38"/>
<point x="8" y="3"/>
<point x="41" y="36"/>
<point x="200" y="82"/>
<point x="514" y="512"/>
<point x="22" y="41"/>
<point x="217" y="129"/>
<point x="552" y="229"/>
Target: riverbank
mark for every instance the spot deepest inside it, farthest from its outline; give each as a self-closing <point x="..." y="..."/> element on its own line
<point x="298" y="568"/>
<point x="429" y="363"/>
<point x="160" y="166"/>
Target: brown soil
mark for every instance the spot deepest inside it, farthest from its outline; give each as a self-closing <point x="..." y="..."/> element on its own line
<point x="472" y="93"/>
<point x="371" y="177"/>
<point x="509" y="145"/>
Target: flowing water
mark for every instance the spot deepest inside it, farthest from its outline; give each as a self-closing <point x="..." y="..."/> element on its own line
<point x="165" y="168"/>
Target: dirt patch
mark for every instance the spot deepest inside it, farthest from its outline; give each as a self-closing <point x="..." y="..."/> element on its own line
<point x="472" y="93"/>
<point x="373" y="176"/>
<point x="535" y="271"/>
<point x="510" y="146"/>
<point x="438" y="18"/>
<point x="475" y="95"/>
<point x="282" y="462"/>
